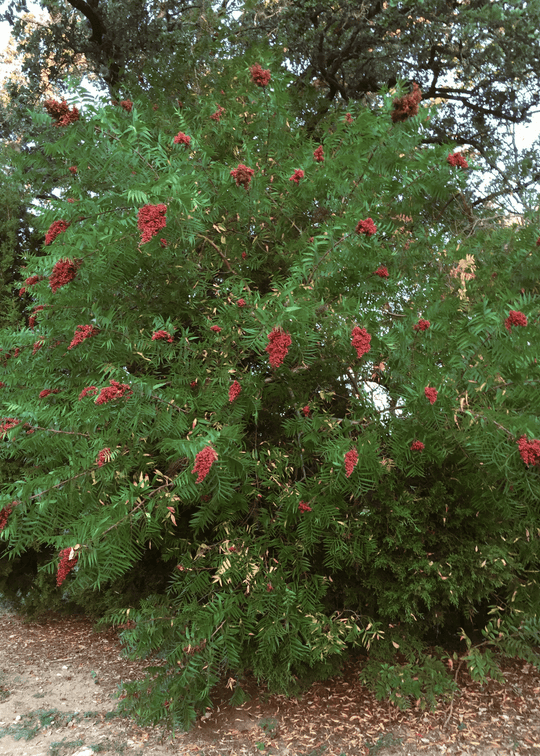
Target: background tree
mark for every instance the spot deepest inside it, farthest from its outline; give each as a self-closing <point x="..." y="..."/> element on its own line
<point x="288" y="375"/>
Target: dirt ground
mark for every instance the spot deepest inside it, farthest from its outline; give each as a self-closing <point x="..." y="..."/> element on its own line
<point x="58" y="680"/>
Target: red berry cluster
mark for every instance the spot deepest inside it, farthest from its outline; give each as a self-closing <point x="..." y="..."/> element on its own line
<point x="37" y="346"/>
<point x="73" y="169"/>
<point x="6" y="424"/>
<point x="182" y="138"/>
<point x="260" y="76"/>
<point x="151" y="220"/>
<point x="529" y="450"/>
<point x="407" y="106"/>
<point x="55" y="229"/>
<point x="456" y="158"/>
<point x="297" y="175"/>
<point x="162" y="335"/>
<point x="234" y="391"/>
<point x="63" y="272"/>
<point x="431" y="394"/>
<point x="319" y="154"/>
<point x="241" y="303"/>
<point x="515" y="318"/>
<point x="66" y="565"/>
<point x="46" y="392"/>
<point x="127" y="105"/>
<point x="278" y="347"/>
<point x="303" y="507"/>
<point x="114" y="391"/>
<point x="361" y="341"/>
<point x="417" y="446"/>
<point x="348" y="118"/>
<point x="351" y="460"/>
<point x="216" y="329"/>
<point x="382" y="271"/>
<point x="243" y="175"/>
<point x="82" y="332"/>
<point x="203" y="462"/>
<point x="422" y="325"/>
<point x="32" y="318"/>
<point x="5" y="513"/>
<point x="60" y="112"/>
<point x="366" y="227"/>
<point x="306" y="410"/>
<point x="88" y="391"/>
<point x="103" y="456"/>
<point x="217" y="115"/>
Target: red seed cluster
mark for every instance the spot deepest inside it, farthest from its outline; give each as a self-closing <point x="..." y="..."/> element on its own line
<point x="241" y="303"/>
<point x="216" y="329"/>
<point x="162" y="335"/>
<point x="529" y="450"/>
<point x="73" y="169"/>
<point x="515" y="318"/>
<point x="217" y="115"/>
<point x="66" y="565"/>
<point x="103" y="457"/>
<point x="6" y="424"/>
<point x="60" y="112"/>
<point x="260" y="76"/>
<point x="297" y="175"/>
<point x="88" y="391"/>
<point x="46" y="392"/>
<point x="32" y="280"/>
<point x="351" y="460"/>
<point x="382" y="272"/>
<point x="5" y="513"/>
<point x="37" y="346"/>
<point x="417" y="446"/>
<point x="431" y="394"/>
<point x="151" y="220"/>
<point x="55" y="229"/>
<point x="243" y="175"/>
<point x="182" y="138"/>
<point x="422" y="325"/>
<point x="306" y="410"/>
<point x="114" y="391"/>
<point x="318" y="155"/>
<point x="278" y="347"/>
<point x="303" y="507"/>
<point x="82" y="332"/>
<point x="366" y="227"/>
<point x="32" y="319"/>
<point x="127" y="105"/>
<point x="234" y="391"/>
<point x="203" y="462"/>
<point x="456" y="158"/>
<point x="63" y="272"/>
<point x="361" y="341"/>
<point x="407" y="106"/>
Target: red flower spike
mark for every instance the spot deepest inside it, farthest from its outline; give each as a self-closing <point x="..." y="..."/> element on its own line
<point x="243" y="175"/>
<point x="382" y="272"/>
<point x="306" y="410"/>
<point x="407" y="106"/>
<point x="241" y="303"/>
<point x="456" y="158"/>
<point x="417" y="446"/>
<point x="244" y="255"/>
<point x="278" y="347"/>
<point x="114" y="391"/>
<point x="182" y="138"/>
<point x="127" y="105"/>
<point x="303" y="507"/>
<point x="234" y="391"/>
<point x="66" y="565"/>
<point x="422" y="325"/>
<point x="217" y="115"/>
<point x="431" y="394"/>
<point x="529" y="450"/>
<point x="259" y="76"/>
<point x="269" y="587"/>
<point x="203" y="462"/>
<point x="193" y="384"/>
<point x="73" y="169"/>
<point x="216" y="329"/>
<point x="297" y="175"/>
<point x="162" y="335"/>
<point x="82" y="332"/>
<point x="88" y="391"/>
<point x="318" y="154"/>
<point x="348" y="118"/>
<point x="63" y="272"/>
<point x="5" y="513"/>
<point x="366" y="227"/>
<point x="103" y="457"/>
<point x="60" y="112"/>
<point x="55" y="229"/>
<point x="361" y="341"/>
<point x="515" y="318"/>
<point x="351" y="460"/>
<point x="151" y="220"/>
<point x="46" y="392"/>
<point x="6" y="424"/>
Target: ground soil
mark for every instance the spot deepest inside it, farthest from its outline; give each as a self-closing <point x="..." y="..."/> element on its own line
<point x="58" y="681"/>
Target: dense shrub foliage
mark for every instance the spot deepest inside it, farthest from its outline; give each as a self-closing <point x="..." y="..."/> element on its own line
<point x="290" y="372"/>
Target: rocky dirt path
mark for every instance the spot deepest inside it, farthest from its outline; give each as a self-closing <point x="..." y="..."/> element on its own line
<point x="58" y="681"/>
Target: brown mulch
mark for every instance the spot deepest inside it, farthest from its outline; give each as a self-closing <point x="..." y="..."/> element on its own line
<point x="333" y="718"/>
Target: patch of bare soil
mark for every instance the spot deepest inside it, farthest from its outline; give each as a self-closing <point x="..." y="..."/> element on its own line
<point x="58" y="681"/>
